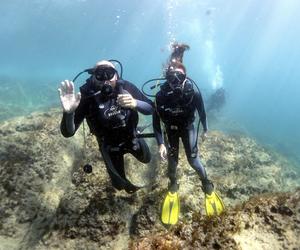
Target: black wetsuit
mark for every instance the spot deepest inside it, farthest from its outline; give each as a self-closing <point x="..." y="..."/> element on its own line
<point x="178" y="114"/>
<point x="115" y="127"/>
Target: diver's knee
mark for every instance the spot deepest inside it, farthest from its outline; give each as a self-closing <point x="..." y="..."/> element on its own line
<point x="147" y="158"/>
<point x="192" y="161"/>
<point x="194" y="153"/>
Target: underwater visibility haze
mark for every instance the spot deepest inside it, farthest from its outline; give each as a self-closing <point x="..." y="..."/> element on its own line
<point x="250" y="48"/>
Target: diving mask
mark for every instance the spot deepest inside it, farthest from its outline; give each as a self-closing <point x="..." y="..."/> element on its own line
<point x="104" y="73"/>
<point x="176" y="80"/>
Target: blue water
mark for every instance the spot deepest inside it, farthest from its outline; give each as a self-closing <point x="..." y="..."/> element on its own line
<point x="249" y="47"/>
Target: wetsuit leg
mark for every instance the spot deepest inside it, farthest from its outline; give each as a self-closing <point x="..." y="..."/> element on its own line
<point x="117" y="159"/>
<point x="191" y="150"/>
<point x="173" y="147"/>
<point x="142" y="153"/>
<point x="114" y="162"/>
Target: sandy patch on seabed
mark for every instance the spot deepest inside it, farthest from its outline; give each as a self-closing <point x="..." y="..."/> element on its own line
<point x="262" y="239"/>
<point x="8" y="243"/>
<point x="256" y="239"/>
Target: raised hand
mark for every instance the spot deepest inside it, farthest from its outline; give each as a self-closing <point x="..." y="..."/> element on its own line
<point x="68" y="99"/>
<point x="126" y="101"/>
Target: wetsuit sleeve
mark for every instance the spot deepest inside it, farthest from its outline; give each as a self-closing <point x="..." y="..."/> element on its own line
<point x="157" y="128"/>
<point x="71" y="122"/>
<point x="156" y="121"/>
<point x="198" y="101"/>
<point x="144" y="105"/>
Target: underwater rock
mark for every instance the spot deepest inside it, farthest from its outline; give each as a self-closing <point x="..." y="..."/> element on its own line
<point x="49" y="202"/>
<point x="144" y="220"/>
<point x="264" y="222"/>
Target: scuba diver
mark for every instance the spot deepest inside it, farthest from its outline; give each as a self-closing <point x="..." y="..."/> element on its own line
<point x="216" y="100"/>
<point x="110" y="106"/>
<point x="175" y="105"/>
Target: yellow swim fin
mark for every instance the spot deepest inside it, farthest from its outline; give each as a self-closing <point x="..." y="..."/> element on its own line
<point x="213" y="204"/>
<point x="170" y="209"/>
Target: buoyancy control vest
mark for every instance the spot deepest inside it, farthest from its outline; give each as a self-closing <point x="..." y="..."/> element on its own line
<point x="106" y="118"/>
<point x="176" y="108"/>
